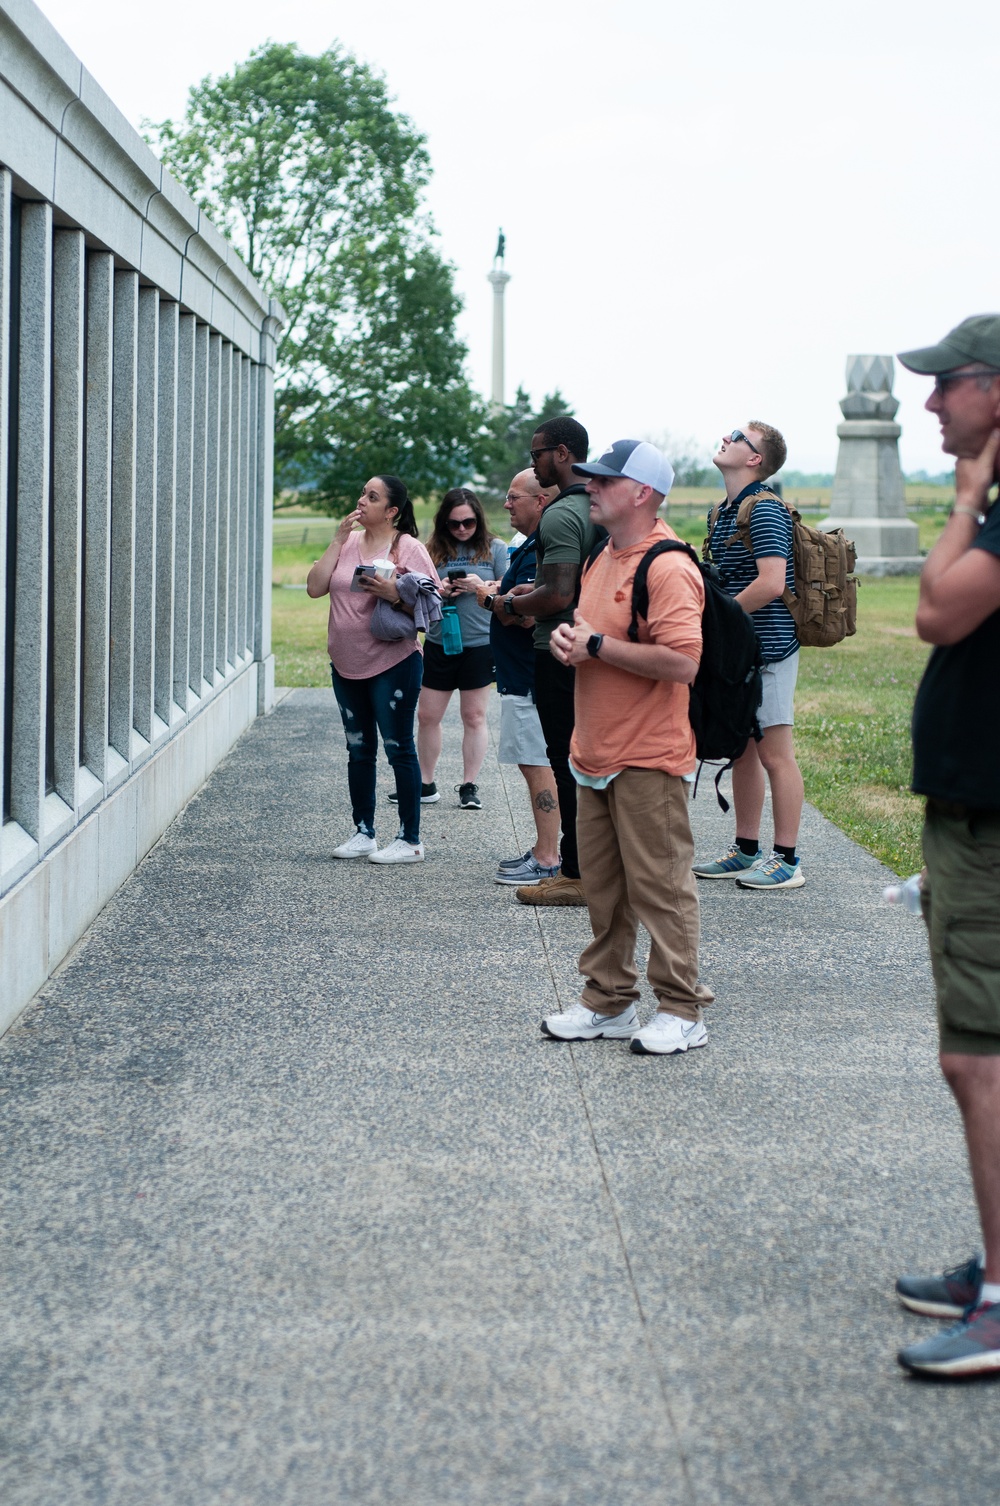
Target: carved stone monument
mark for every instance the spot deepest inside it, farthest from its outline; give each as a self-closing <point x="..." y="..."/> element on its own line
<point x="868" y="499"/>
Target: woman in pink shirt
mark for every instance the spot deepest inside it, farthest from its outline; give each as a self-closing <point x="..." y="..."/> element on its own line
<point x="377" y="684"/>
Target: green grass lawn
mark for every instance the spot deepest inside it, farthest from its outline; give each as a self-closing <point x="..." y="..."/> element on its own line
<point x="852" y="724"/>
<point x="852" y="704"/>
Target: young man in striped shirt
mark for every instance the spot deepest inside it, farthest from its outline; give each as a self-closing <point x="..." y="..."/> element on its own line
<point x="757" y="581"/>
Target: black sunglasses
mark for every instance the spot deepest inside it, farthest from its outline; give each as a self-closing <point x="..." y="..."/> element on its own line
<point x="542" y="450"/>
<point x="462" y="522"/>
<point x="946" y="378"/>
<point x="737" y="435"/>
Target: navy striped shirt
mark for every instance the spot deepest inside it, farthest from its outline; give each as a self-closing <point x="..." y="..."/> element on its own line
<point x="770" y="534"/>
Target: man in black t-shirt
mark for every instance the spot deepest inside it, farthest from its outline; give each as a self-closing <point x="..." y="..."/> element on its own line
<point x="956" y="763"/>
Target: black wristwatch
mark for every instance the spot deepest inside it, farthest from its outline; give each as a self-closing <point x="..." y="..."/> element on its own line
<point x="508" y="606"/>
<point x="594" y="644"/>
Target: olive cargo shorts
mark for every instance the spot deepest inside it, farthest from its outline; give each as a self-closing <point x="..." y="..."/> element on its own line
<point x="961" y="905"/>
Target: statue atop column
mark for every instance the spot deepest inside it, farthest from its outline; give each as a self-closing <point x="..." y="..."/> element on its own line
<point x="499" y="278"/>
<point x="869" y="500"/>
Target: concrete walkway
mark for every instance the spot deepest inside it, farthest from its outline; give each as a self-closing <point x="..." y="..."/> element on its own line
<point x="299" y="1207"/>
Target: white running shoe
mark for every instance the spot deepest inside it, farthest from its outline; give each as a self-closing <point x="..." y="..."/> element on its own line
<point x="399" y="852"/>
<point x="358" y="846"/>
<point x="667" y="1033"/>
<point x="578" y="1023"/>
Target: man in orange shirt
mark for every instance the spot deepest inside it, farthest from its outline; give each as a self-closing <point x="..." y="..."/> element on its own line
<point x="632" y="745"/>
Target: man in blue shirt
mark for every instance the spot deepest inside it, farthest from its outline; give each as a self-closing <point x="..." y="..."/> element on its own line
<point x="521" y="738"/>
<point x="757" y="580"/>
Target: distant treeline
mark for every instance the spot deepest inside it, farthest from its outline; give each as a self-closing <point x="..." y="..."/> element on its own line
<point x="825" y="478"/>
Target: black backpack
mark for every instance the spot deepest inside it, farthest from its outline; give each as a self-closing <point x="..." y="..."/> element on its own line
<point x="727" y="689"/>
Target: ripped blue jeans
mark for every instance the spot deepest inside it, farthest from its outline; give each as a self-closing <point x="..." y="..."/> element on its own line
<point x="386" y="704"/>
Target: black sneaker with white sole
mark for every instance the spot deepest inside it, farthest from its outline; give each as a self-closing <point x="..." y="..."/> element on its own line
<point x="468" y="797"/>
<point x="429" y="795"/>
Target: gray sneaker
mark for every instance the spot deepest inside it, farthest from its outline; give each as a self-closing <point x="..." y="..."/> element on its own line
<point x="528" y="871"/>
<point x="515" y="862"/>
<point x="944" y="1296"/>
<point x="971" y="1347"/>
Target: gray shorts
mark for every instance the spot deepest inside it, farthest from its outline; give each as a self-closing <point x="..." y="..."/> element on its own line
<point x="521" y="738"/>
<point x="777" y="707"/>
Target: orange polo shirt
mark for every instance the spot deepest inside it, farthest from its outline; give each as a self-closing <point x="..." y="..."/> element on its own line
<point x="624" y="720"/>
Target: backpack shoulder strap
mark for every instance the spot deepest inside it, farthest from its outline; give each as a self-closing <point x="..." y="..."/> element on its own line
<point x="713" y="518"/>
<point x="747" y="507"/>
<point x="591" y="557"/>
<point x="640" y="585"/>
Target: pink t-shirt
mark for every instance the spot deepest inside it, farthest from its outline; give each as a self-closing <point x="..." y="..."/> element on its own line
<point x="354" y="652"/>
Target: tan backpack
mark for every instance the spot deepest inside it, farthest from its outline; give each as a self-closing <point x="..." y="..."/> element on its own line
<point x="824" y="605"/>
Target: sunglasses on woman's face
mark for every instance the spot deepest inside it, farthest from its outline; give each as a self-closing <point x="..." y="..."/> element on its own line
<point x="462" y="522"/>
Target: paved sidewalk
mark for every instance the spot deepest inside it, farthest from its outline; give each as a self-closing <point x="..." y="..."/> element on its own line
<point x="299" y="1207"/>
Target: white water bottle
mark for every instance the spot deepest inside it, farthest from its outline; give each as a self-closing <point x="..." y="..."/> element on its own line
<point x="907" y="895"/>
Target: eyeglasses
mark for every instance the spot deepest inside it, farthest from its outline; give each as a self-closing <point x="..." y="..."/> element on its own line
<point x="462" y="522"/>
<point x="542" y="450"/>
<point x="946" y="378"/>
<point x="737" y="435"/>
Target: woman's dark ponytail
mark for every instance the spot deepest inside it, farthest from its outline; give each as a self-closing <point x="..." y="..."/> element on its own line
<point x="399" y="497"/>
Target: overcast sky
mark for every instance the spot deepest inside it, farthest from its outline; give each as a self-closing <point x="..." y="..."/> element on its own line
<point x="707" y="207"/>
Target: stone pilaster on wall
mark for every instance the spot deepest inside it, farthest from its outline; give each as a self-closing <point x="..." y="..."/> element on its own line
<point x="136" y="468"/>
<point x="869" y="500"/>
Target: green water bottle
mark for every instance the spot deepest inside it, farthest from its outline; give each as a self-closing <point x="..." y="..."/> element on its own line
<point x="451" y="628"/>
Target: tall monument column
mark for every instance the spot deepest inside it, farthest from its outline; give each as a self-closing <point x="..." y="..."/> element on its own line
<point x="869" y="501"/>
<point x="499" y="278"/>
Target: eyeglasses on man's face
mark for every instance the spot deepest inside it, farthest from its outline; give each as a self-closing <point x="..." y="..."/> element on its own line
<point x="737" y="435"/>
<point x="542" y="450"/>
<point x="947" y="379"/>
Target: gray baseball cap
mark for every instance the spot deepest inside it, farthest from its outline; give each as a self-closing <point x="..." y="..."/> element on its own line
<point x="635" y="458"/>
<point x="975" y="339"/>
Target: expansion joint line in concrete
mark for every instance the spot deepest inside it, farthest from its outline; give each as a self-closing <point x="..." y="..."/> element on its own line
<point x="619" y="1234"/>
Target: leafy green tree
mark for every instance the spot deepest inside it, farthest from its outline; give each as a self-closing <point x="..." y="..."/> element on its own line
<point x="509" y="434"/>
<point x="318" y="182"/>
<point x="692" y="462"/>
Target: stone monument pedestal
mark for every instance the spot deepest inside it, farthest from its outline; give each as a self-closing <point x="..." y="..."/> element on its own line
<point x="869" y="501"/>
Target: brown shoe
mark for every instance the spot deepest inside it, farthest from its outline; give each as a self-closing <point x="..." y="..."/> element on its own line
<point x="557" y="891"/>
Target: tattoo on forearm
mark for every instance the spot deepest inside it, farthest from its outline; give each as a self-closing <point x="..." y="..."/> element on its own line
<point x="546" y="801"/>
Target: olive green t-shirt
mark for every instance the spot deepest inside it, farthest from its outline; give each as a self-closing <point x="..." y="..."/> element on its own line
<point x="565" y="536"/>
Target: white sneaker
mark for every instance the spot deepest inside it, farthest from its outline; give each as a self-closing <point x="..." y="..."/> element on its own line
<point x="667" y="1033"/>
<point x="358" y="846"/>
<point x="578" y="1023"/>
<point x="399" y="852"/>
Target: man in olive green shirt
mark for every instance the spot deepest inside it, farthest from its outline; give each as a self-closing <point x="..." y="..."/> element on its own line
<point x="565" y="538"/>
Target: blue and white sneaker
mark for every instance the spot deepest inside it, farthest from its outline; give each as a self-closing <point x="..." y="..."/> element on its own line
<point x="971" y="1347"/>
<point x="528" y="871"/>
<point x="773" y="873"/>
<point x="730" y="865"/>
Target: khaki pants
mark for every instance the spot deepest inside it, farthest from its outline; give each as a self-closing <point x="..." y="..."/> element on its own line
<point x="636" y="852"/>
